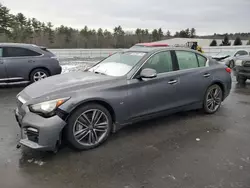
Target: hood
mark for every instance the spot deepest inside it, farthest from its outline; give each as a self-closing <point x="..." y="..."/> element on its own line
<point x="64" y="83"/>
<point x="221" y="57"/>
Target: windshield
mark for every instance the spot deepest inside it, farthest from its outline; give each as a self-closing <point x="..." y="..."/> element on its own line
<point x="118" y="64"/>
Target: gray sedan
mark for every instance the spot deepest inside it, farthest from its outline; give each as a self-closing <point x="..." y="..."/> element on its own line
<point x="84" y="108"/>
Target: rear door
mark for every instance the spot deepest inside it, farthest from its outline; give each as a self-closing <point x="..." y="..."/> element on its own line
<point x="3" y="75"/>
<point x="195" y="77"/>
<point x="19" y="62"/>
<point x="149" y="96"/>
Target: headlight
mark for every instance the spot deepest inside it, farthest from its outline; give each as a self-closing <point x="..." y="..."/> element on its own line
<point x="238" y="62"/>
<point x="47" y="107"/>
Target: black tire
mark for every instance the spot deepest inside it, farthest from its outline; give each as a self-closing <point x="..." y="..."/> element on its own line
<point x="241" y="79"/>
<point x="36" y="71"/>
<point x="231" y="64"/>
<point x="70" y="129"/>
<point x="215" y="98"/>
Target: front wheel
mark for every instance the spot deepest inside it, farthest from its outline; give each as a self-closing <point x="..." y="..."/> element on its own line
<point x="213" y="99"/>
<point x="88" y="127"/>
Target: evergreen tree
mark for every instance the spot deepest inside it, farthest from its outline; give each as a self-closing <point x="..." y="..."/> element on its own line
<point x="213" y="43"/>
<point x="226" y="42"/>
<point x="192" y="33"/>
<point x="168" y="33"/>
<point x="237" y="41"/>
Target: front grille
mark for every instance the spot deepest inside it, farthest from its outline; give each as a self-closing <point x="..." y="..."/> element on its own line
<point x="247" y="64"/>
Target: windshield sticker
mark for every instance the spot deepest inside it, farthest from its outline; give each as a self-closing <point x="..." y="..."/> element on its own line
<point x="137" y="54"/>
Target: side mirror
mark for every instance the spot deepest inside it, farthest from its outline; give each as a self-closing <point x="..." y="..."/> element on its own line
<point x="236" y="55"/>
<point x="148" y="73"/>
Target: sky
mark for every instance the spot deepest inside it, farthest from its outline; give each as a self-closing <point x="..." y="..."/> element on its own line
<point x="207" y="16"/>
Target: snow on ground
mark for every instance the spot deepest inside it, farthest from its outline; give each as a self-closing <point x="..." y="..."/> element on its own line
<point x="76" y="65"/>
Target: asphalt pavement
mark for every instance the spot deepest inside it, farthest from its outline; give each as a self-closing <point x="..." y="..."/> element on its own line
<point x="185" y="150"/>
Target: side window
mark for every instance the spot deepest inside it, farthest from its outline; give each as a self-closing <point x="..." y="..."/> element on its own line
<point x="202" y="60"/>
<point x="186" y="60"/>
<point x="1" y="52"/>
<point x="18" y="52"/>
<point x="242" y="52"/>
<point x="161" y="62"/>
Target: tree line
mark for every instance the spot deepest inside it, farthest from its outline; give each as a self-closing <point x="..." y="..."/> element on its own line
<point x="226" y="42"/>
<point x="18" y="28"/>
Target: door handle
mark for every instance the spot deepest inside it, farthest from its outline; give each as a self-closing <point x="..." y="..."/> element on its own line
<point x="31" y="61"/>
<point x="172" y="82"/>
<point x="206" y="75"/>
<point x="1" y="62"/>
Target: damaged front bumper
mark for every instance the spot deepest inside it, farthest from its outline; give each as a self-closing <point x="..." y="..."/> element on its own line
<point x="37" y="132"/>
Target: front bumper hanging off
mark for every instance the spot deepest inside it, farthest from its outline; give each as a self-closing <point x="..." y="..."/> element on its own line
<point x="37" y="132"/>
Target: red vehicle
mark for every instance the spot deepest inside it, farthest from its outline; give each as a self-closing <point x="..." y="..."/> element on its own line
<point x="143" y="45"/>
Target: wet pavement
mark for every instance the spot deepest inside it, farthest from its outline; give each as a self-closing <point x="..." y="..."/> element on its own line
<point x="186" y="150"/>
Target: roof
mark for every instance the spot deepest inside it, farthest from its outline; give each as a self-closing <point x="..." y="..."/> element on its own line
<point x="201" y="42"/>
<point x="152" y="44"/>
<point x="152" y="49"/>
<point x="17" y="44"/>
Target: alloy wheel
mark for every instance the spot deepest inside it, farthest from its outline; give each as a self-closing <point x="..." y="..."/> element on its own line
<point x="91" y="127"/>
<point x="39" y="76"/>
<point x="214" y="99"/>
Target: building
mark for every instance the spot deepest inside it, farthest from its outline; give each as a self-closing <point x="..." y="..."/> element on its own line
<point x="201" y="42"/>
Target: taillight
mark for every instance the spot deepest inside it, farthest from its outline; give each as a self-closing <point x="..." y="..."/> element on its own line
<point x="228" y="70"/>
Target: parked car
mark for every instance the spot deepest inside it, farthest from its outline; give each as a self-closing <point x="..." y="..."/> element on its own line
<point x="242" y="69"/>
<point x="228" y="58"/>
<point x="83" y="108"/>
<point x="148" y="45"/>
<point x="22" y="63"/>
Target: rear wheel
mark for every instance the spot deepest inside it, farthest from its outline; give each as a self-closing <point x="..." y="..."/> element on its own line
<point x="213" y="99"/>
<point x="38" y="74"/>
<point x="88" y="127"/>
<point x="231" y="64"/>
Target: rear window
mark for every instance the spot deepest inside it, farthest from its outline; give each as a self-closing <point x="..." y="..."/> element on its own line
<point x="47" y="51"/>
<point x="202" y="60"/>
<point x="18" y="52"/>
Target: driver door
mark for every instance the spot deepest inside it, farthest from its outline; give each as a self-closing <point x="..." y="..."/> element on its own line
<point x="155" y="95"/>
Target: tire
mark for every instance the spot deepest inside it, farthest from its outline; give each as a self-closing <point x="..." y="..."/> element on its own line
<point x="241" y="79"/>
<point x="38" y="74"/>
<point x="83" y="134"/>
<point x="231" y="64"/>
<point x="213" y="99"/>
